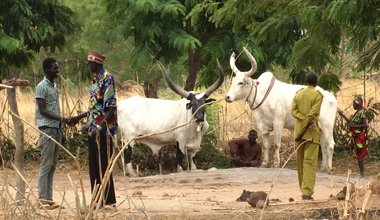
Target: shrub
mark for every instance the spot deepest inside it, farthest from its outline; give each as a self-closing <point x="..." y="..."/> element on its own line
<point x="208" y="156"/>
<point x="76" y="144"/>
<point x="7" y="150"/>
<point x="143" y="156"/>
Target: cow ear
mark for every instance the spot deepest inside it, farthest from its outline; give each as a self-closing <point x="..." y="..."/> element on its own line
<point x="209" y="100"/>
<point x="188" y="106"/>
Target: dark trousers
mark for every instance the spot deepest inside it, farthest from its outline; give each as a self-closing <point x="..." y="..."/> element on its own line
<point x="98" y="156"/>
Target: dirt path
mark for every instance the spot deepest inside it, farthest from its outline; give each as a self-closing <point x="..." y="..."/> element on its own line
<point x="213" y="192"/>
<point x="200" y="195"/>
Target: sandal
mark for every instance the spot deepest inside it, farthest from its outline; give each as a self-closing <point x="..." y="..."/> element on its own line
<point x="55" y="205"/>
<point x="44" y="206"/>
<point x="109" y="207"/>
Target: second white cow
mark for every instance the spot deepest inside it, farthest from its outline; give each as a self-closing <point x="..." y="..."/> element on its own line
<point x="271" y="101"/>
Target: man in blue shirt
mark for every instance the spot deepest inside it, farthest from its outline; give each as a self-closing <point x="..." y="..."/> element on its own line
<point x="49" y="121"/>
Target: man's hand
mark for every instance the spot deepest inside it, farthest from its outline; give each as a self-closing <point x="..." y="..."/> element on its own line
<point x="74" y="120"/>
<point x="67" y="121"/>
<point x="92" y="131"/>
<point x="70" y="121"/>
<point x="246" y="162"/>
<point x="311" y="126"/>
<point x="298" y="138"/>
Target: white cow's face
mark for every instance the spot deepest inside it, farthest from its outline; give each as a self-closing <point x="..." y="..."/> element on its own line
<point x="196" y="105"/>
<point x="241" y="87"/>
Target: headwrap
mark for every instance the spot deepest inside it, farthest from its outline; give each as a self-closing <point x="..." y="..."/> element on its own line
<point x="96" y="57"/>
<point x="358" y="101"/>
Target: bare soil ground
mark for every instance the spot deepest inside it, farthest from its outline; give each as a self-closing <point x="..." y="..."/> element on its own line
<point x="202" y="194"/>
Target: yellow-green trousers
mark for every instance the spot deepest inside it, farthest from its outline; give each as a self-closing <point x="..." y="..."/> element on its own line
<point x="307" y="161"/>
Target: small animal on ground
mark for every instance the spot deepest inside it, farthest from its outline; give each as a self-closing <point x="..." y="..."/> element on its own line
<point x="257" y="199"/>
<point x="244" y="196"/>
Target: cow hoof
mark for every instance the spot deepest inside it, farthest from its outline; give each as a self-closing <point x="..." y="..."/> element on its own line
<point x="130" y="175"/>
<point x="264" y="166"/>
<point x="276" y="166"/>
<point x="326" y="171"/>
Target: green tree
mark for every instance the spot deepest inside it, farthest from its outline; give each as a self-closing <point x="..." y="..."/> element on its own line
<point x="97" y="33"/>
<point x="26" y="27"/>
<point x="167" y="30"/>
<point x="307" y="35"/>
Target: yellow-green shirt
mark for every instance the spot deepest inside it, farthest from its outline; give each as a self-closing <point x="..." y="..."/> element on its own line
<point x="305" y="108"/>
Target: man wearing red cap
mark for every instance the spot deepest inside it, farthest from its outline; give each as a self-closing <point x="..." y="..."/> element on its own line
<point x="96" y="57"/>
<point x="358" y="127"/>
<point x="101" y="126"/>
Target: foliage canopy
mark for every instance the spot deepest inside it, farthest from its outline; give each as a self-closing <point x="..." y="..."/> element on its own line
<point x="26" y="26"/>
<point x="307" y="35"/>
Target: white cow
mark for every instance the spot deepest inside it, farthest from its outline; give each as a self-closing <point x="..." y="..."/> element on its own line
<point x="138" y="116"/>
<point x="271" y="101"/>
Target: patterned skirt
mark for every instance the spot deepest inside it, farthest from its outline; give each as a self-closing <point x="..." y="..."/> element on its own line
<point x="359" y="142"/>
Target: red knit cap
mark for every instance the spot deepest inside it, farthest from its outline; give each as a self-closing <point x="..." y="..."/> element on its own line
<point x="96" y="57"/>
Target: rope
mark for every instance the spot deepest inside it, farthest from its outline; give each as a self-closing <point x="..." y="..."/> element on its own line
<point x="265" y="96"/>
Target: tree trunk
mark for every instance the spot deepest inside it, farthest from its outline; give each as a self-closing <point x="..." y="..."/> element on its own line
<point x="150" y="89"/>
<point x="19" y="154"/>
<point x="194" y="65"/>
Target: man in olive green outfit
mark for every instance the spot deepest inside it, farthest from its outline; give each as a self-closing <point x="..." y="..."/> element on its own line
<point x="305" y="108"/>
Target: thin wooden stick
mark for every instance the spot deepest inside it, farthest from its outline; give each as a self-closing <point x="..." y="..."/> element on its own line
<point x="76" y="197"/>
<point x="364" y="205"/>
<point x="27" y="184"/>
<point x="348" y="189"/>
<point x="5" y="86"/>
<point x="275" y="178"/>
<point x="3" y="110"/>
<point x="61" y="206"/>
<point x="41" y="132"/>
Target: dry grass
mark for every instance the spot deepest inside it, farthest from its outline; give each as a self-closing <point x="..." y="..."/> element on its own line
<point x="235" y="118"/>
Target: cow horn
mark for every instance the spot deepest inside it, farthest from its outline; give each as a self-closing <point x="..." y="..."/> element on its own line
<point x="217" y="83"/>
<point x="250" y="57"/>
<point x="253" y="63"/>
<point x="171" y="84"/>
<point x="232" y="63"/>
